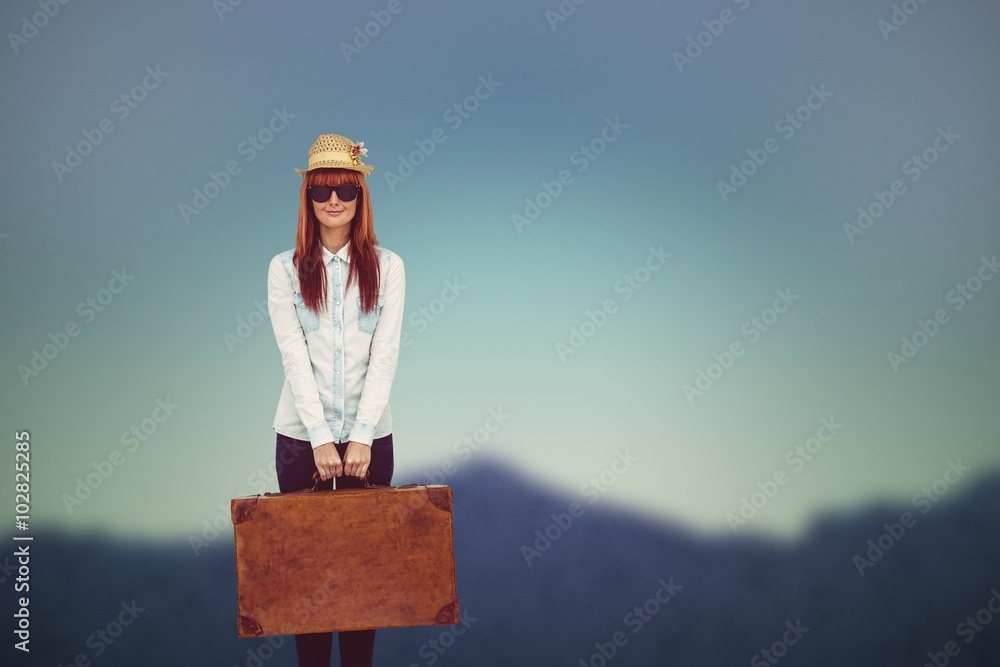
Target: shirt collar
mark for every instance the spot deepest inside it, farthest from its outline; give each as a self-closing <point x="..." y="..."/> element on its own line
<point x="344" y="254"/>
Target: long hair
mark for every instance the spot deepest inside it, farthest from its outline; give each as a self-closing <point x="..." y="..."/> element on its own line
<point x="308" y="257"/>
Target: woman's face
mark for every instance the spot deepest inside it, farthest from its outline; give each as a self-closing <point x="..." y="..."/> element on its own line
<point x="334" y="214"/>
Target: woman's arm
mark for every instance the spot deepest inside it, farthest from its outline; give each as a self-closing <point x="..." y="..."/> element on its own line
<point x="295" y="353"/>
<point x="383" y="357"/>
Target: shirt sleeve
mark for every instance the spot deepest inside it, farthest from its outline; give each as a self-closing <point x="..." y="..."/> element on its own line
<point x="295" y="353"/>
<point x="383" y="356"/>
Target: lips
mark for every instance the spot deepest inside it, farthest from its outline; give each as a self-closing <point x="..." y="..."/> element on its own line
<point x="335" y="212"/>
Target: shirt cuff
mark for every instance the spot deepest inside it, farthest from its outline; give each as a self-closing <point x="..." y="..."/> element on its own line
<point x="320" y="434"/>
<point x="363" y="433"/>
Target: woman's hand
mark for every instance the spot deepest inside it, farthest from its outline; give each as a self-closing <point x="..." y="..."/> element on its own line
<point x="328" y="461"/>
<point x="357" y="458"/>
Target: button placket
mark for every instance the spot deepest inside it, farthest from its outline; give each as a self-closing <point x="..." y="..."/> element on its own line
<point x="337" y="379"/>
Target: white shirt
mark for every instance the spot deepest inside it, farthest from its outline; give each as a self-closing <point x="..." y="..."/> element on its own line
<point x="339" y="363"/>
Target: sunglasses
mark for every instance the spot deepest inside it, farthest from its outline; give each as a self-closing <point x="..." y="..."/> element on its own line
<point x="345" y="192"/>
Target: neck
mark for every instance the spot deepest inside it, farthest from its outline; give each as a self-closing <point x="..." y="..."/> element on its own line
<point x="333" y="239"/>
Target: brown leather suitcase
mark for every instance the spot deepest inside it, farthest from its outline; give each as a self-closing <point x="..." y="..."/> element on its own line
<point x="349" y="559"/>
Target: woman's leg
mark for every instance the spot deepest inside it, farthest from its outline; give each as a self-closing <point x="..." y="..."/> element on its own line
<point x="356" y="648"/>
<point x="314" y="650"/>
<point x="294" y="463"/>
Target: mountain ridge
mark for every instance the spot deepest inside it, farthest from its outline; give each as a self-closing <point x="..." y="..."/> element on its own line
<point x="675" y="597"/>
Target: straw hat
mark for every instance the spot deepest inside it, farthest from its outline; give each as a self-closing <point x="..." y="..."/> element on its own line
<point x="333" y="150"/>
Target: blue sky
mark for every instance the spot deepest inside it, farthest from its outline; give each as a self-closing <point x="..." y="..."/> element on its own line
<point x="840" y="107"/>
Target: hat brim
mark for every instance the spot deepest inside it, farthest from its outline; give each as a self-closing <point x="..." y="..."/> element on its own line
<point x="364" y="169"/>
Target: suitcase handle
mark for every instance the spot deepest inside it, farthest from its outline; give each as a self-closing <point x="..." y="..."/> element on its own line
<point x="317" y="480"/>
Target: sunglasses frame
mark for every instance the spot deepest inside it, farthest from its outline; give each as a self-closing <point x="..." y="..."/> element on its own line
<point x="333" y="188"/>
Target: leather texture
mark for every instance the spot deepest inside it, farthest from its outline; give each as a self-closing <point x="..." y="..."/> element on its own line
<point x="350" y="559"/>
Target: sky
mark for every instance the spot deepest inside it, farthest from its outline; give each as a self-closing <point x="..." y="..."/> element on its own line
<point x="728" y="265"/>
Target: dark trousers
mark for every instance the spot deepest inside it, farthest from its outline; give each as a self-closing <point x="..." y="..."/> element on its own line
<point x="294" y="463"/>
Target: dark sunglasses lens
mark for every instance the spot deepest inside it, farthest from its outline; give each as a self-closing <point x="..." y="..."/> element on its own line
<point x="320" y="193"/>
<point x="345" y="192"/>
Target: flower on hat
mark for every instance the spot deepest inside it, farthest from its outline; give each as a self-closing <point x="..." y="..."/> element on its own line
<point x="358" y="150"/>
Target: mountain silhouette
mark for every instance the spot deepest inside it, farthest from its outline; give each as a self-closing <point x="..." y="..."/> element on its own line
<point x="593" y="586"/>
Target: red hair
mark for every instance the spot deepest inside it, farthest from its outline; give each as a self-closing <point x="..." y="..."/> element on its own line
<point x="308" y="257"/>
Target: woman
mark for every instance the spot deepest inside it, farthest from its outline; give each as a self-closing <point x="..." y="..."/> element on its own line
<point x="336" y="306"/>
